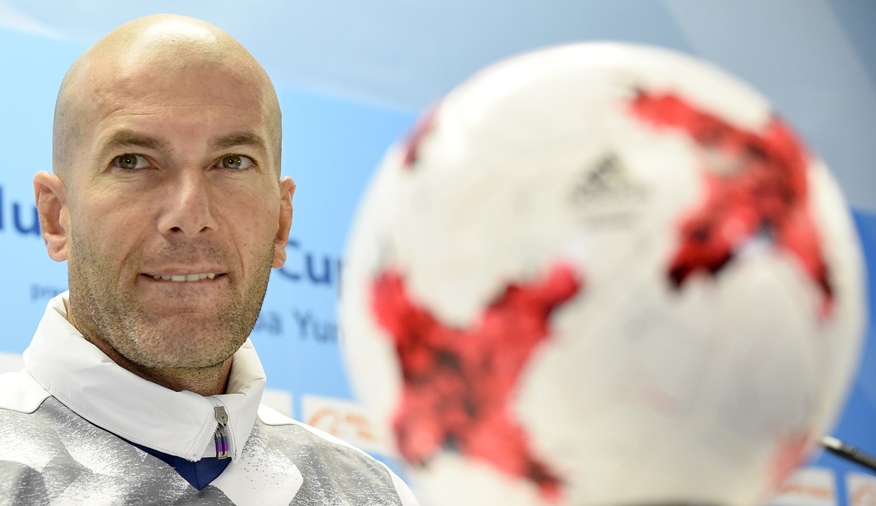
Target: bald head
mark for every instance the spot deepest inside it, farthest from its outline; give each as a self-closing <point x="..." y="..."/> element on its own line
<point x="169" y="50"/>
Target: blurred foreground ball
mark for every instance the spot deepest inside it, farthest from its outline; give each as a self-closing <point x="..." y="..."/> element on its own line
<point x="602" y="274"/>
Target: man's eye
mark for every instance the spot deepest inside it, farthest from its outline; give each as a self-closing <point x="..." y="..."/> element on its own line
<point x="130" y="161"/>
<point x="238" y="162"/>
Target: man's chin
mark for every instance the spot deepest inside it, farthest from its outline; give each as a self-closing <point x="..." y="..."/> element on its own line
<point x="184" y="357"/>
<point x="188" y="344"/>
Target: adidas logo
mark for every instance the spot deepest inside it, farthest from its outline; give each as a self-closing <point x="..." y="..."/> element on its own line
<point x="607" y="181"/>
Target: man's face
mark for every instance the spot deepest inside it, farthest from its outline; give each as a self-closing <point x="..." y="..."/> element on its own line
<point x="175" y="213"/>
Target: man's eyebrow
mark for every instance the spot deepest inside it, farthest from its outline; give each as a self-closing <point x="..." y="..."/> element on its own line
<point x="125" y="138"/>
<point x="239" y="139"/>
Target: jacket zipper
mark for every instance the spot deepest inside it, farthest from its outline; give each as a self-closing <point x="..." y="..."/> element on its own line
<point x="220" y="437"/>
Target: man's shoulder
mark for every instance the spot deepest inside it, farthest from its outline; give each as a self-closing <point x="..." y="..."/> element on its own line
<point x="271" y="417"/>
<point x="19" y="392"/>
<point x="304" y="433"/>
<point x="331" y="465"/>
<point x="280" y="425"/>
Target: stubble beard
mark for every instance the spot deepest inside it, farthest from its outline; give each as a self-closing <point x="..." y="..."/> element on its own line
<point x="102" y="311"/>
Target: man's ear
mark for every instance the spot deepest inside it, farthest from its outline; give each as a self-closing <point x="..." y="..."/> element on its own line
<point x="287" y="189"/>
<point x="51" y="203"/>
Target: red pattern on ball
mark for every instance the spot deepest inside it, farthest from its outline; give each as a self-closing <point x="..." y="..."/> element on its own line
<point x="755" y="185"/>
<point x="458" y="384"/>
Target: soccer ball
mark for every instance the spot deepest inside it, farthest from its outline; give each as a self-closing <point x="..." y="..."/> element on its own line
<point x="602" y="274"/>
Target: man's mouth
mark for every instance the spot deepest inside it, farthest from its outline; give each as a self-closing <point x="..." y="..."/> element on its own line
<point x="185" y="277"/>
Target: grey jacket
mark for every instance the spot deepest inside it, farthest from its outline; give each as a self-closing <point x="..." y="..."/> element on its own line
<point x="65" y="419"/>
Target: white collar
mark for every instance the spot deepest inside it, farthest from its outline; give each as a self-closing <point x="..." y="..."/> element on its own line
<point x="88" y="382"/>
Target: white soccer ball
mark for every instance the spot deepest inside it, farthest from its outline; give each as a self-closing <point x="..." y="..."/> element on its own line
<point x="602" y="274"/>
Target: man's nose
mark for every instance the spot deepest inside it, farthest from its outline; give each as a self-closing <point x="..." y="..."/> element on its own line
<point x="189" y="208"/>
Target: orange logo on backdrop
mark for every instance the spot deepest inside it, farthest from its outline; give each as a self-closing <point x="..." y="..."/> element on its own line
<point x="863" y="495"/>
<point x="806" y="490"/>
<point x="343" y="424"/>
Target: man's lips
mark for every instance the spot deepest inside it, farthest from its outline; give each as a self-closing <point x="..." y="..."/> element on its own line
<point x="184" y="278"/>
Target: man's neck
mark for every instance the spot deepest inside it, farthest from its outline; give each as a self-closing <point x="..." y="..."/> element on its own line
<point x="211" y="380"/>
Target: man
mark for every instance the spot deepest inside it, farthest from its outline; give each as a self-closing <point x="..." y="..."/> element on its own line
<point x="166" y="200"/>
